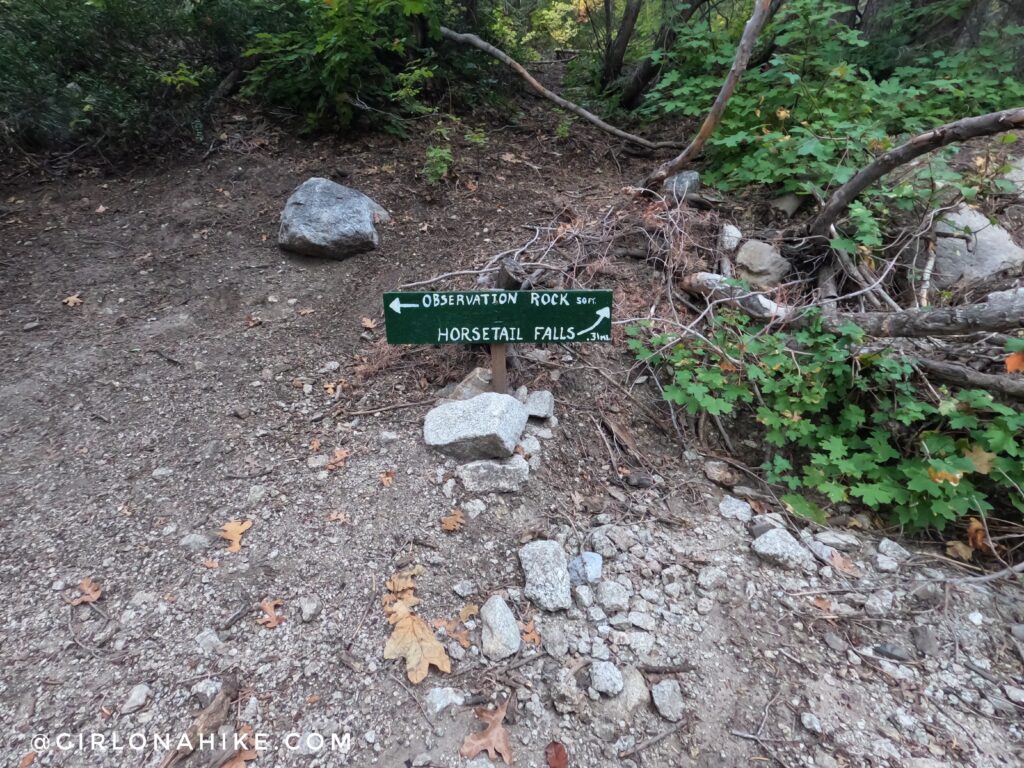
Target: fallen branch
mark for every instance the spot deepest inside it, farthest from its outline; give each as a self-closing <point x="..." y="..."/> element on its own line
<point x="739" y="65"/>
<point x="962" y="376"/>
<point x="469" y="39"/>
<point x="957" y="131"/>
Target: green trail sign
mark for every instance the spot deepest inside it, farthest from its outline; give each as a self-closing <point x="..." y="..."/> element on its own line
<point x="498" y="317"/>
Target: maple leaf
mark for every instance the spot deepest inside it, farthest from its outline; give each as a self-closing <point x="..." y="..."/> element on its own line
<point x="387" y="478"/>
<point x="980" y="458"/>
<point x="959" y="550"/>
<point x="368" y="323"/>
<point x="272" y="619"/>
<point x="403" y="580"/>
<point x="338" y="459"/>
<point x="556" y="756"/>
<point x="453" y="522"/>
<point x="1015" y="363"/>
<point x="493" y="739"/>
<point x="74" y="300"/>
<point x="232" y="531"/>
<point x="90" y="592"/>
<point x="530" y="633"/>
<point x="413" y="640"/>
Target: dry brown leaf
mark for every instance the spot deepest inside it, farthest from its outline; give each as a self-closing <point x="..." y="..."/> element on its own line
<point x="368" y="323"/>
<point x="959" y="551"/>
<point x="556" y="756"/>
<point x="403" y="580"/>
<point x="252" y="322"/>
<point x="27" y="760"/>
<point x="74" y="300"/>
<point x="90" y="592"/>
<point x="243" y="756"/>
<point x="529" y="633"/>
<point x="453" y="522"/>
<point x="211" y="564"/>
<point x="338" y="517"/>
<point x="339" y="459"/>
<point x="387" y="477"/>
<point x="314" y="444"/>
<point x="942" y="476"/>
<point x="822" y="604"/>
<point x="329" y="388"/>
<point x="232" y="532"/>
<point x="1015" y="363"/>
<point x="272" y="619"/>
<point x="413" y="640"/>
<point x="976" y="536"/>
<point x="306" y="311"/>
<point x="980" y="458"/>
<point x="469" y="610"/>
<point x="493" y="739"/>
<point x="843" y="564"/>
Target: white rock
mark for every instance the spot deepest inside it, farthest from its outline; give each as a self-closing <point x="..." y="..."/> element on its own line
<point x="970" y="247"/>
<point x="761" y="265"/>
<point x="735" y="509"/>
<point x="487" y="426"/>
<point x="730" y="238"/>
<point x="137" y="698"/>
<point x="778" y="546"/>
<point x="890" y="548"/>
<point x="547" y="575"/>
<point x="605" y="678"/>
<point x="810" y="721"/>
<point x="195" y="542"/>
<point x="540" y="405"/>
<point x="886" y="564"/>
<point x="209" y="641"/>
<point x="668" y="700"/>
<point x="612" y="596"/>
<point x="310" y="607"/>
<point x="500" y="636"/>
<point x="474" y="508"/>
<point x="439" y="699"/>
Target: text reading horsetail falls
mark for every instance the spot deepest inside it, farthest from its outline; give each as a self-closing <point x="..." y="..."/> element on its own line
<point x="498" y="317"/>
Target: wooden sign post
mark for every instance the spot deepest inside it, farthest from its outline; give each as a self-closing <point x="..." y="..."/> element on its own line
<point x="498" y="318"/>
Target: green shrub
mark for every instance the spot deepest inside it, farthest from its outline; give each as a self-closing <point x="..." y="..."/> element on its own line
<point x="848" y="425"/>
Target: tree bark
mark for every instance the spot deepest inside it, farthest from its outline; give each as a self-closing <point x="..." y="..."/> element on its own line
<point x="910" y="323"/>
<point x="616" y="52"/>
<point x="958" y="131"/>
<point x="476" y="42"/>
<point x="739" y="64"/>
<point x="962" y="376"/>
<point x="648" y="70"/>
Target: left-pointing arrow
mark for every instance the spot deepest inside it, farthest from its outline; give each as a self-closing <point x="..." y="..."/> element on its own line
<point x="398" y="306"/>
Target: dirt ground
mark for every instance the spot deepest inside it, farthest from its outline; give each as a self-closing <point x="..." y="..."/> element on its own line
<point x="207" y="376"/>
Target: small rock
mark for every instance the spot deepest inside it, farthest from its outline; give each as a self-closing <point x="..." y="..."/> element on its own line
<point x="540" y="405"/>
<point x="705" y="605"/>
<point x="612" y="596"/>
<point x="506" y="476"/>
<point x="465" y="588"/>
<point x="586" y="568"/>
<point x="487" y="426"/>
<point x="642" y="620"/>
<point x="679" y="185"/>
<point x="890" y="548"/>
<point x="1014" y="694"/>
<point x="137" y="698"/>
<point x="547" y="575"/>
<point x="721" y="473"/>
<point x="930" y="594"/>
<point x="209" y="641"/>
<point x="195" y="542"/>
<point x="761" y="265"/>
<point x="711" y="577"/>
<point x="668" y="700"/>
<point x="976" y="618"/>
<point x="553" y="640"/>
<point x="205" y="690"/>
<point x="1017" y="631"/>
<point x="439" y="699"/>
<point x="844" y="542"/>
<point x="161" y="472"/>
<point x="584" y="596"/>
<point x="779" y="547"/>
<point x="500" y="636"/>
<point x="474" y="508"/>
<point x="310" y="607"/>
<point x="31" y="325"/>
<point x="318" y="461"/>
<point x="835" y="642"/>
<point x="886" y="564"/>
<point x="730" y="238"/>
<point x="605" y="678"/>
<point x="925" y="640"/>
<point x="879" y="604"/>
<point x="241" y="412"/>
<point x="761" y="524"/>
<point x="810" y="721"/>
<point x="893" y="651"/>
<point x="389" y="437"/>
<point x="735" y="509"/>
<point x="322" y="218"/>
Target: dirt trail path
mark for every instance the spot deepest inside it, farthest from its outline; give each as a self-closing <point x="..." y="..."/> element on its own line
<point x="193" y="385"/>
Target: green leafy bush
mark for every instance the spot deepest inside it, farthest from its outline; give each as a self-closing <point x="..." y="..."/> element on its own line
<point x="848" y="425"/>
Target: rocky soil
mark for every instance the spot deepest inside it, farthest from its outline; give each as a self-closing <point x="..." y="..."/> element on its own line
<point x="635" y="611"/>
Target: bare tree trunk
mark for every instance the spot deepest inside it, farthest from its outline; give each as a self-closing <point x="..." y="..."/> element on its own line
<point x="958" y="131"/>
<point x="616" y="52"/>
<point x="500" y="55"/>
<point x="739" y="64"/>
<point x="648" y="70"/>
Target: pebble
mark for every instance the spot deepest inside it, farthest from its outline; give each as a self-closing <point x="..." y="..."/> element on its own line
<point x="310" y="607"/>
<point x="547" y="575"/>
<point x="835" y="642"/>
<point x="890" y="548"/>
<point x="735" y="509"/>
<point x="465" y="588"/>
<point x="605" y="678"/>
<point x="612" y="596"/>
<point x="137" y="698"/>
<point x="31" y="325"/>
<point x="389" y="437"/>
<point x="810" y="721"/>
<point x="585" y="568"/>
<point x="1014" y="694"/>
<point x="195" y="542"/>
<point x="893" y="651"/>
<point x="500" y="636"/>
<point x="886" y="564"/>
<point x="844" y="542"/>
<point x="209" y="641"/>
<point x="553" y="640"/>
<point x="925" y="640"/>
<point x="705" y="605"/>
<point x="161" y="472"/>
<point x="879" y="604"/>
<point x="976" y="618"/>
<point x="668" y="700"/>
<point x="711" y="577"/>
<point x="642" y="620"/>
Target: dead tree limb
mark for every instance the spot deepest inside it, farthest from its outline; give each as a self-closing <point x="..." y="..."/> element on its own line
<point x="957" y="131"/>
<point x="962" y="376"/>
<point x="910" y="323"/>
<point x="504" y="58"/>
<point x="616" y="52"/>
<point x="714" y="116"/>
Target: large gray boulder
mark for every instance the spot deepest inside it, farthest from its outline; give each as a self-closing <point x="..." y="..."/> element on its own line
<point x="322" y="218"/>
<point x="487" y="426"/>
<point x="547" y="575"/>
<point x="761" y="265"/>
<point x="970" y="247"/>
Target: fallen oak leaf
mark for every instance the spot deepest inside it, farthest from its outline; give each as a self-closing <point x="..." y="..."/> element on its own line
<point x="453" y="522"/>
<point x="272" y="619"/>
<point x="27" y="760"/>
<point x="493" y="739"/>
<point x="74" y="300"/>
<point x="90" y="590"/>
<point x="529" y="632"/>
<point x="232" y="531"/>
<point x="556" y="755"/>
<point x="339" y="459"/>
<point x="387" y="477"/>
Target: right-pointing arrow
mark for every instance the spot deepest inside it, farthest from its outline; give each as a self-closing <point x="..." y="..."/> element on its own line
<point x="398" y="306"/>
<point x="602" y="314"/>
